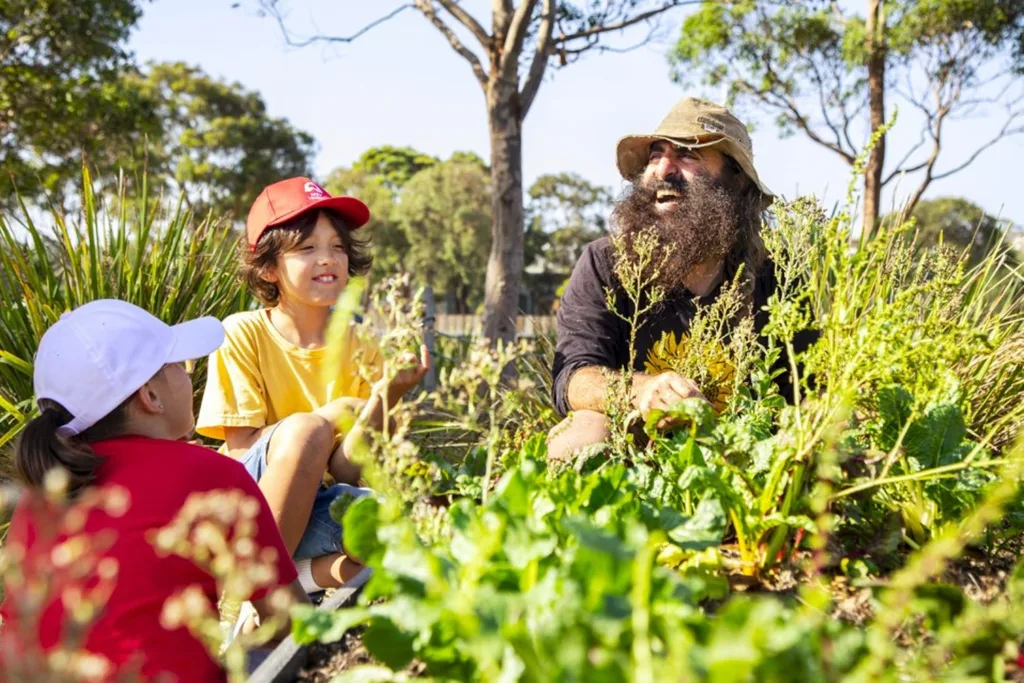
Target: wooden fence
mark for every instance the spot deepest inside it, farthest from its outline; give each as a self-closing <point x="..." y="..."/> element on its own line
<point x="462" y="325"/>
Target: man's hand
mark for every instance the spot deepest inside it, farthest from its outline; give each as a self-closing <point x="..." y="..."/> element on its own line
<point x="662" y="392"/>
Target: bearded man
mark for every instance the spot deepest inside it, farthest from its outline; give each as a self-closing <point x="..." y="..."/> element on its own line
<point x="694" y="186"/>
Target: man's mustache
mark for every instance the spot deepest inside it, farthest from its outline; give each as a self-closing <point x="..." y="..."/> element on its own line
<point x="678" y="185"/>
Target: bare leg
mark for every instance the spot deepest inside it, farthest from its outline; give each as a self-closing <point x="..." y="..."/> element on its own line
<point x="331" y="571"/>
<point x="341" y="468"/>
<point x="582" y="428"/>
<point x="296" y="459"/>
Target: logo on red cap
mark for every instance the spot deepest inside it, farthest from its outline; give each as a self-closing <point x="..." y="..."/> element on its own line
<point x="314" y="191"/>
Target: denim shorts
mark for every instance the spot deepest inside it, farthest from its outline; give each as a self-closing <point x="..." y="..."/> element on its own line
<point x="323" y="535"/>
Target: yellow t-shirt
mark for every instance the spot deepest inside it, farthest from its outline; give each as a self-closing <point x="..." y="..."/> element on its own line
<point x="258" y="378"/>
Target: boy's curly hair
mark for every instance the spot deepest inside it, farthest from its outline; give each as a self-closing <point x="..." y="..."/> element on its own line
<point x="254" y="262"/>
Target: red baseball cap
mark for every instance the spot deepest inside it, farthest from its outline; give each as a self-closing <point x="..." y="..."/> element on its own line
<point x="284" y="200"/>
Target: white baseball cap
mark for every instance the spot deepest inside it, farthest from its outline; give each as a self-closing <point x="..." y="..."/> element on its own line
<point x="99" y="354"/>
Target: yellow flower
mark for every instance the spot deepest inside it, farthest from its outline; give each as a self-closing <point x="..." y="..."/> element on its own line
<point x="669" y="353"/>
<point x="660" y="357"/>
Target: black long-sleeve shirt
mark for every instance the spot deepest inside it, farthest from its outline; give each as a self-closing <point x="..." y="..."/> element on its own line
<point x="589" y="334"/>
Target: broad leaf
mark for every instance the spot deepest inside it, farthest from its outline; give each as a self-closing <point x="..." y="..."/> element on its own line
<point x="310" y="624"/>
<point x="705" y="529"/>
<point x="935" y="439"/>
<point x="388" y="644"/>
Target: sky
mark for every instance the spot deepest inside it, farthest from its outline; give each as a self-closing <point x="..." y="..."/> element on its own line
<point x="401" y="84"/>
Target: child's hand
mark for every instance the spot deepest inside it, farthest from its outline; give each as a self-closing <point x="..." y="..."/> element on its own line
<point x="412" y="370"/>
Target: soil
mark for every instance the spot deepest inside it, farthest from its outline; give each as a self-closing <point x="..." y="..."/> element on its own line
<point x="325" y="661"/>
<point x="328" y="660"/>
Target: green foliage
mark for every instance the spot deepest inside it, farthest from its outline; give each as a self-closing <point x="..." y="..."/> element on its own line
<point x="622" y="564"/>
<point x="962" y="225"/>
<point x="69" y="91"/>
<point x="394" y="166"/>
<point x="429" y="218"/>
<point x="60" y="95"/>
<point x="147" y="251"/>
<point x="216" y="140"/>
<point x="565" y="212"/>
<point x="445" y="213"/>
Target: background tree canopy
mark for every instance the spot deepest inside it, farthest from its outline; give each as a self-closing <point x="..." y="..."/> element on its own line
<point x="430" y="218"/>
<point x="70" y="91"/>
<point x="963" y="225"/>
<point x="821" y="69"/>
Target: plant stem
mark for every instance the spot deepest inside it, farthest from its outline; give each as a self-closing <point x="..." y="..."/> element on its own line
<point x="782" y="531"/>
<point x="917" y="476"/>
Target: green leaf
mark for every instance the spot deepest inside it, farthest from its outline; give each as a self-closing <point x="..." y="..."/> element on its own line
<point x="388" y="643"/>
<point x="513" y="491"/>
<point x="895" y="405"/>
<point x="360" y="525"/>
<point x="705" y="529"/>
<point x="598" y="539"/>
<point x="934" y="439"/>
<point x="690" y="413"/>
<point x="20" y="364"/>
<point x="310" y="625"/>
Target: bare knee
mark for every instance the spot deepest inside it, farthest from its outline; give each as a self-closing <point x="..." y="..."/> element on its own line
<point x="582" y="428"/>
<point x="305" y="437"/>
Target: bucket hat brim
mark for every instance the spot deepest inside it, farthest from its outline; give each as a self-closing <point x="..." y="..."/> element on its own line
<point x="693" y="123"/>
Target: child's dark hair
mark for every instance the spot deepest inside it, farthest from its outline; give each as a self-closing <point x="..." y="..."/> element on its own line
<point x="278" y="240"/>
<point x="41" y="449"/>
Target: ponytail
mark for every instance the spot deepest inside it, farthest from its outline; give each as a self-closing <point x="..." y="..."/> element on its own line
<point x="41" y="449"/>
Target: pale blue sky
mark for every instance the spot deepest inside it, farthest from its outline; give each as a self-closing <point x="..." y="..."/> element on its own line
<point x="402" y="84"/>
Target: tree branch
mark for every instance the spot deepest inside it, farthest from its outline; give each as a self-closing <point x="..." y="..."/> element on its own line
<point x="593" y="44"/>
<point x="427" y="8"/>
<point x="789" y="106"/>
<point x="514" y="38"/>
<point x="540" y="58"/>
<point x="906" y="157"/>
<point x="272" y="9"/>
<point x="466" y="19"/>
<point x="1005" y="131"/>
<point x="597" y="30"/>
<point x="936" y="132"/>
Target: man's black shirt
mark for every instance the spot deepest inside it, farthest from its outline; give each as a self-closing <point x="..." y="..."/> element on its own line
<point x="589" y="334"/>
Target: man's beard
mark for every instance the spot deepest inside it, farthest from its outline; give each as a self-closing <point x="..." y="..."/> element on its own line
<point x="703" y="227"/>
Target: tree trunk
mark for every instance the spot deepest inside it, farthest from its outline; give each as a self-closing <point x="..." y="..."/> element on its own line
<point x="505" y="265"/>
<point x="876" y="105"/>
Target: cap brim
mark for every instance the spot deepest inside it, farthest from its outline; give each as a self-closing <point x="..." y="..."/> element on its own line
<point x="351" y="209"/>
<point x="195" y="339"/>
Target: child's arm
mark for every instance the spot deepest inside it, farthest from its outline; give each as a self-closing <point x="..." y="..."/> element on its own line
<point x="372" y="415"/>
<point x="369" y="415"/>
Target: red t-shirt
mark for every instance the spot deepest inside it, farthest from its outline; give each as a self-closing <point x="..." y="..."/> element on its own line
<point x="158" y="476"/>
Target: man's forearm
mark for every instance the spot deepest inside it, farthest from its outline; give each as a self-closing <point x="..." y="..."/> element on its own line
<point x="588" y="388"/>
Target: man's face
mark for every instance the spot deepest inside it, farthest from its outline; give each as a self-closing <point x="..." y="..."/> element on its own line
<point x="671" y="165"/>
<point x="693" y="200"/>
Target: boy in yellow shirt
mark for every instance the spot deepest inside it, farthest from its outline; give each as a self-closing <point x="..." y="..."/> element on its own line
<point x="266" y="396"/>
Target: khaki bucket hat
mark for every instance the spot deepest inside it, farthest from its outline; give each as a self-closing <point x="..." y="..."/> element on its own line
<point x="693" y="122"/>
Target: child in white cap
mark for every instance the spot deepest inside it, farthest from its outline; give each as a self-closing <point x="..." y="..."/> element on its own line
<point x="115" y="396"/>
